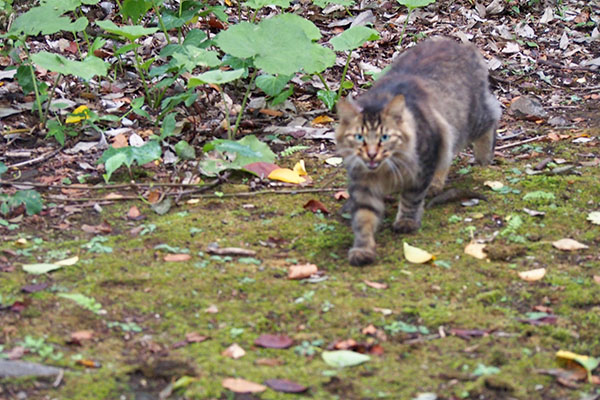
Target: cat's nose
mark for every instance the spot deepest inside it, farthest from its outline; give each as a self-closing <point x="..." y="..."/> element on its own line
<point x="372" y="153"/>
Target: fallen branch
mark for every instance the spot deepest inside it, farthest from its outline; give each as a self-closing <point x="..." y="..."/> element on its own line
<point x="533" y="139"/>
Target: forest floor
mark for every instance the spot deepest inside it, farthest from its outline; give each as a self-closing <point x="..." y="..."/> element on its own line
<point x="153" y="304"/>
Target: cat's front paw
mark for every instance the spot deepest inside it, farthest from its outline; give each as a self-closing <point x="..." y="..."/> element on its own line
<point x="405" y="225"/>
<point x="359" y="256"/>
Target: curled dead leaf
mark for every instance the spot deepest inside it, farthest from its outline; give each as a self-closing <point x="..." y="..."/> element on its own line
<point x="315" y="206"/>
<point x="476" y="250"/>
<point x="342" y="195"/>
<point x="301" y="271"/>
<point x="234" y="351"/>
<point x="416" y="255"/>
<point x="375" y="285"/>
<point x="286" y="175"/>
<point x="195" y="337"/>
<point x="533" y="275"/>
<point x="177" y="257"/>
<point x="274" y="341"/>
<point x="568" y="244"/>
<point x="238" y="385"/>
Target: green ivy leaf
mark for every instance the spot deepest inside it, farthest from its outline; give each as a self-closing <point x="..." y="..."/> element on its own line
<point x="353" y="38"/>
<point x="239" y="153"/>
<point x="344" y="358"/>
<point x="272" y="85"/>
<point x="86" y="69"/>
<point x="131" y="32"/>
<point x="216" y="76"/>
<point x="185" y="151"/>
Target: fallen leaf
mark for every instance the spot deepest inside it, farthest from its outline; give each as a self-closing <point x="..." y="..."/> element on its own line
<point x="569" y="244"/>
<point x="67" y="261"/>
<point x="269" y="362"/>
<point x="300" y="168"/>
<point x="285" y="386"/>
<point x="177" y="257"/>
<point x="597" y="278"/>
<point x="384" y="311"/>
<point x="40" y="268"/>
<point x="416" y="255"/>
<point x="234" y="351"/>
<point x="134" y="214"/>
<point x="533" y="275"/>
<point x="369" y="330"/>
<point x="341" y="195"/>
<point x="274" y="341"/>
<point x="195" y="337"/>
<point x="230" y="251"/>
<point x="375" y="285"/>
<point x="212" y="309"/>
<point x="89" y="363"/>
<point x="34" y="287"/>
<point x="80" y="336"/>
<point x="238" y="385"/>
<point x="315" y="206"/>
<point x="587" y="362"/>
<point x="301" y="271"/>
<point x="84" y="114"/>
<point x="476" y="250"/>
<point x="286" y="175"/>
<point x="344" y="358"/>
<point x="120" y="141"/>
<point x="334" y="161"/>
<point x="322" y="119"/>
<point x="154" y="197"/>
<point x="594" y="217"/>
<point x="345" y="344"/>
<point x="261" y="169"/>
<point x="494" y="185"/>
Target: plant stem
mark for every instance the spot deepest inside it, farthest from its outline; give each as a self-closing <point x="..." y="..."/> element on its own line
<point x="339" y="93"/>
<point x="323" y="80"/>
<point x="229" y="133"/>
<point x="246" y="95"/>
<point x="404" y="26"/>
<point x="161" y="23"/>
<point x="50" y="95"/>
<point x="138" y="66"/>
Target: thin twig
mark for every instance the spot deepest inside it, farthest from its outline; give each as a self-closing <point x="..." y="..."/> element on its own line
<point x="41" y="158"/>
<point x="132" y="185"/>
<point x="559" y="66"/>
<point x="533" y="139"/>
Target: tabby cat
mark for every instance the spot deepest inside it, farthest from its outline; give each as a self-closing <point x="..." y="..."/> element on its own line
<point x="402" y="134"/>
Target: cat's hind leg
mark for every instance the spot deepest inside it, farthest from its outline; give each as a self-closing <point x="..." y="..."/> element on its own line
<point x="483" y="146"/>
<point x="410" y="211"/>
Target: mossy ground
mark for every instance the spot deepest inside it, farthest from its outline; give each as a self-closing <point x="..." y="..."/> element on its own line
<point x="167" y="300"/>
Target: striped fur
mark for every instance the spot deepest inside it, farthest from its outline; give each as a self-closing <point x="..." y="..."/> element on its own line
<point x="402" y="134"/>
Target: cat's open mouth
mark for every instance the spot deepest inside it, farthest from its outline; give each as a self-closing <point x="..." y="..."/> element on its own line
<point x="373" y="164"/>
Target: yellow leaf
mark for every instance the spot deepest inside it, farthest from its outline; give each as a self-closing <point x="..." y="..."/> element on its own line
<point x="475" y="250"/>
<point x="78" y="115"/>
<point x="286" y="175"/>
<point x="322" y="119"/>
<point x="533" y="275"/>
<point x="416" y="255"/>
<point x="67" y="262"/>
<point x="300" y="168"/>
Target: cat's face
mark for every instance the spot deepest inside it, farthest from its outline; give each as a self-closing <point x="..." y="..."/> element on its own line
<point x="370" y="140"/>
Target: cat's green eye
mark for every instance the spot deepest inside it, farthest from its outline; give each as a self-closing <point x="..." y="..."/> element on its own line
<point x="385" y="137"/>
<point x="359" y="137"/>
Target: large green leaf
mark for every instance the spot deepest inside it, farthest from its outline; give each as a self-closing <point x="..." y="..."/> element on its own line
<point x="279" y="45"/>
<point x="344" y="358"/>
<point x="216" y="76"/>
<point x="134" y="9"/>
<point x="234" y="154"/>
<point x="256" y="4"/>
<point x="113" y="158"/>
<point x="131" y="32"/>
<point x="86" y="69"/>
<point x="353" y="38"/>
<point x="412" y="4"/>
<point x="190" y="57"/>
<point x="45" y="20"/>
<point x="30" y="198"/>
<point x="3" y="168"/>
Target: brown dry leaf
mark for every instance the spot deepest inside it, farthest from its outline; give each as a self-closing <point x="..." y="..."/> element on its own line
<point x="375" y="285"/>
<point x="533" y="275"/>
<point x="82" y="335"/>
<point x="212" y="309"/>
<point x="322" y="119"/>
<point x="301" y="271"/>
<point x="230" y="251"/>
<point x="269" y="362"/>
<point x="234" y="351"/>
<point x="177" y="257"/>
<point x="597" y="278"/>
<point x="113" y="196"/>
<point x="153" y="197"/>
<point x="345" y="344"/>
<point x="120" y="141"/>
<point x="273" y="113"/>
<point x="238" y="385"/>
<point x="569" y="244"/>
<point x="195" y="337"/>
<point x="384" y="311"/>
<point x="315" y="206"/>
<point x="342" y="195"/>
<point x="476" y="250"/>
<point x="369" y="330"/>
<point x="134" y="213"/>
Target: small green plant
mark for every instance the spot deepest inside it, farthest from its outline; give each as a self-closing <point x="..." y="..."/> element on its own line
<point x="40" y="347"/>
<point x="399" y="326"/>
<point x="539" y="197"/>
<point x="124" y="326"/>
<point x="114" y="159"/>
<point x="95" y="245"/>
<point x="86" y="302"/>
<point x="29" y="198"/>
<point x="308" y="348"/>
<point x="411" y="5"/>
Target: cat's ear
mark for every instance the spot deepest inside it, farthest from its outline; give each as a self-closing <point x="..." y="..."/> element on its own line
<point x="348" y="109"/>
<point x="395" y="108"/>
